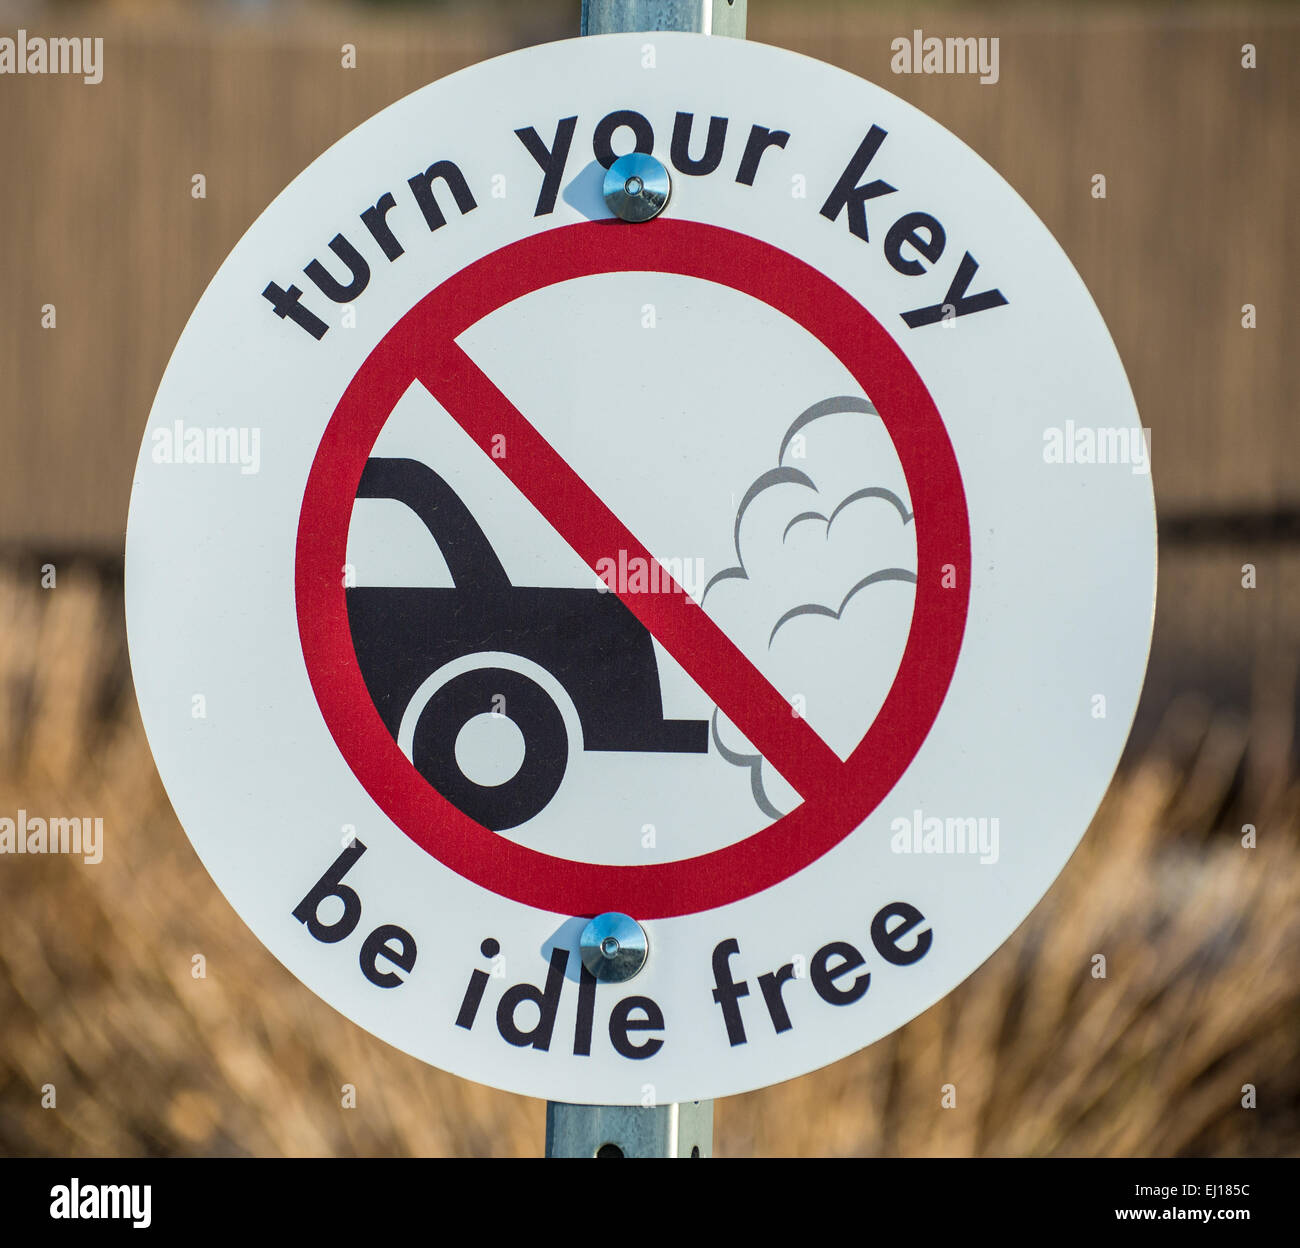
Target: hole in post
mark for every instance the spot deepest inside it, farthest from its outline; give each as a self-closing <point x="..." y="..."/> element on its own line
<point x="609" y="1150"/>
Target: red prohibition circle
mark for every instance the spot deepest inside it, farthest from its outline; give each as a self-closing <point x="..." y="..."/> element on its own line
<point x="413" y="348"/>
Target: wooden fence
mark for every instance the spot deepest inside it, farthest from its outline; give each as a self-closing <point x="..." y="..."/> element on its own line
<point x="97" y="218"/>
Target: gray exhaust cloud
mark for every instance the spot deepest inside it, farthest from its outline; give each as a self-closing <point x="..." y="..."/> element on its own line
<point x="809" y="542"/>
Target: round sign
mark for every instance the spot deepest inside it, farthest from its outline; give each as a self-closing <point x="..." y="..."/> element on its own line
<point x="776" y="571"/>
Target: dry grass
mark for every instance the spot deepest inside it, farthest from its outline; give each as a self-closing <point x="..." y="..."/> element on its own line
<point x="96" y="997"/>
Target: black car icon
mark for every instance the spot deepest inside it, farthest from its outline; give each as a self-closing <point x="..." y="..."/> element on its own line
<point x="586" y="639"/>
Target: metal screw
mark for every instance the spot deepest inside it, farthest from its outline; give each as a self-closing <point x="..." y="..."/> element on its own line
<point x="636" y="187"/>
<point x="613" y="947"/>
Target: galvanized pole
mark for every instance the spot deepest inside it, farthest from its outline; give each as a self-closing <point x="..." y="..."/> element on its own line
<point x="629" y="1131"/>
<point x="701" y="17"/>
<point x="632" y="1130"/>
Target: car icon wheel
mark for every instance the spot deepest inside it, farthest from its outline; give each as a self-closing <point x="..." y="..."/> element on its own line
<point x="495" y="691"/>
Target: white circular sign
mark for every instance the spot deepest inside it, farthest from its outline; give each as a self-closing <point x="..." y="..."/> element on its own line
<point x="778" y="572"/>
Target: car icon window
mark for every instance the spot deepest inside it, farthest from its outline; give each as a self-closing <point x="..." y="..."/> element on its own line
<point x="389" y="545"/>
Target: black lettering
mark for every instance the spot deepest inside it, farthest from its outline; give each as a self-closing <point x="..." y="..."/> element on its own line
<point x="377" y="946"/>
<point x="329" y="885"/>
<point x="376" y="221"/>
<point x="358" y="269"/>
<point x="848" y="192"/>
<point x="771" y="985"/>
<point x="422" y="188"/>
<point x="713" y="144"/>
<point x="956" y="302"/>
<point x="478" y="981"/>
<point x="621" y="1022"/>
<point x="546" y="999"/>
<point x="726" y="993"/>
<point x="642" y="132"/>
<point x="903" y="234"/>
<point x="760" y="139"/>
<point x="823" y="975"/>
<point x="586" y="1013"/>
<point x="552" y="160"/>
<point x="886" y="939"/>
<point x="285" y="303"/>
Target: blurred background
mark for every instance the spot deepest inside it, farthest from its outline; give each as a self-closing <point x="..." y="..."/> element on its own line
<point x="1201" y="935"/>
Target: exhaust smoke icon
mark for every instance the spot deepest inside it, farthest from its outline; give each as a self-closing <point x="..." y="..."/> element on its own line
<point x="820" y="597"/>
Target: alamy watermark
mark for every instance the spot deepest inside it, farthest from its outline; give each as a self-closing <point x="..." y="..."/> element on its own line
<point x="1088" y="444"/>
<point x="179" y="443"/>
<point x="125" y="1202"/>
<point x="922" y="834"/>
<point x="31" y="834"/>
<point x="928" y="54"/>
<point x="635" y="574"/>
<point x="34" y="54"/>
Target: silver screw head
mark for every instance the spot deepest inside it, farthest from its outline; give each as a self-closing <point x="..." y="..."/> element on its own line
<point x="613" y="947"/>
<point x="637" y="187"/>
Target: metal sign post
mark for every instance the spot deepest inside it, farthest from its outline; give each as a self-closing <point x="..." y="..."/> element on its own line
<point x="629" y="1131"/>
<point x="701" y="17"/>
<point x="634" y="1130"/>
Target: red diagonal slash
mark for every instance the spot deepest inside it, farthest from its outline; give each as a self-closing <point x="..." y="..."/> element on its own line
<point x="709" y="656"/>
